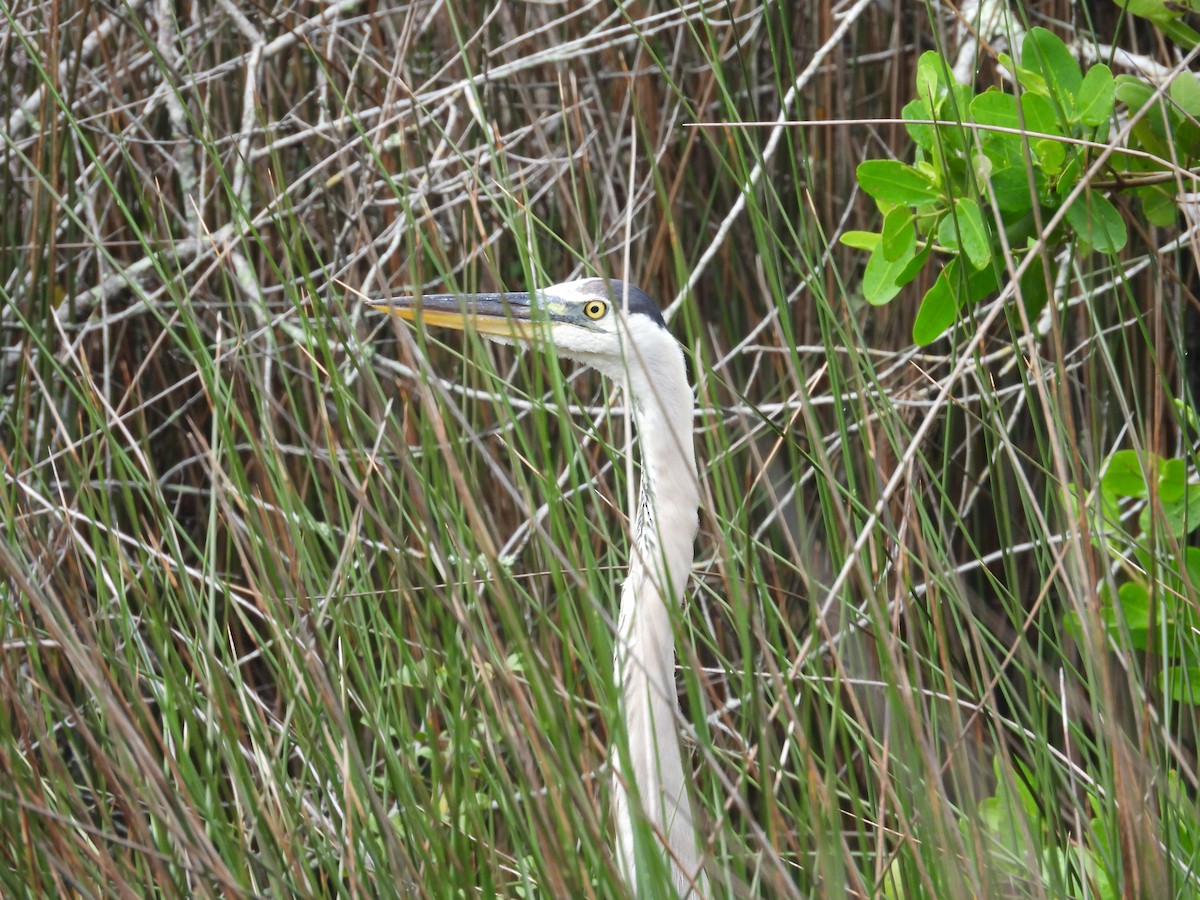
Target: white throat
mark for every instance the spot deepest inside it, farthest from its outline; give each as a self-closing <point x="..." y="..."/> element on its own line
<point x="664" y="532"/>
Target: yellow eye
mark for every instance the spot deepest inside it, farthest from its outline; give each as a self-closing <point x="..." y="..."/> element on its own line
<point x="595" y="309"/>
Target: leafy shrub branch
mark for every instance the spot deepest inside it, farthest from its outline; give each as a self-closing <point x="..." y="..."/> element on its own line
<point x="991" y="169"/>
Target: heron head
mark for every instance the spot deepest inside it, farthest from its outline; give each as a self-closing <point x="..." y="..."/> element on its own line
<point x="610" y="325"/>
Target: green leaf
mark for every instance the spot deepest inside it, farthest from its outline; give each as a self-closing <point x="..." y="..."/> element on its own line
<point x="972" y="232"/>
<point x="1185" y="92"/>
<point x="1191" y="557"/>
<point x="1182" y="683"/>
<point x="1158" y="206"/>
<point x="1012" y="188"/>
<point x="1149" y="131"/>
<point x="1044" y="52"/>
<point x="1104" y="519"/>
<point x="961" y="96"/>
<point x="1030" y="79"/>
<point x="1032" y="289"/>
<point x="1020" y="229"/>
<point x="887" y="179"/>
<point x="1095" y="103"/>
<point x="1039" y="115"/>
<point x="861" y="240"/>
<point x="1185" y="97"/>
<point x="1006" y="149"/>
<point x="1132" y="611"/>
<point x="913" y="269"/>
<point x="939" y="306"/>
<point x="1124" y="476"/>
<point x="1073" y="626"/>
<point x="956" y="108"/>
<point x="947" y="234"/>
<point x="1072" y="171"/>
<point x="1186" y="132"/>
<point x="1154" y="10"/>
<point x="1021" y="779"/>
<point x="922" y="135"/>
<point x="929" y="172"/>
<point x="1172" y="480"/>
<point x="982" y="283"/>
<point x="1133" y="92"/>
<point x="931" y="81"/>
<point x="1050" y="155"/>
<point x="1135" y="604"/>
<point x="1186" y="414"/>
<point x="881" y="279"/>
<point x="1185" y="36"/>
<point x="1181" y="515"/>
<point x="899" y="234"/>
<point x="1097" y="222"/>
<point x="994" y="107"/>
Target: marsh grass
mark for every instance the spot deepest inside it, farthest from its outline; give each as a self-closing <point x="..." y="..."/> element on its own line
<point x="296" y="601"/>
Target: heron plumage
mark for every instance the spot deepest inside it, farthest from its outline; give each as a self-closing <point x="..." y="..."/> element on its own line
<point x="617" y="329"/>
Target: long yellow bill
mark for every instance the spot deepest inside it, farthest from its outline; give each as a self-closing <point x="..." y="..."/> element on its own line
<point x="504" y="315"/>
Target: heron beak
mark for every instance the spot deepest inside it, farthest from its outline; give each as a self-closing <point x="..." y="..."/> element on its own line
<point x="503" y="315"/>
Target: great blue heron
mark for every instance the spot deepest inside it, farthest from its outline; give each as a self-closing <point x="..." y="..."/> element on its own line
<point x="615" y="328"/>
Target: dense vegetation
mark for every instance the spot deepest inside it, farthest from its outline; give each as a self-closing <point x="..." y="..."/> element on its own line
<point x="297" y="601"/>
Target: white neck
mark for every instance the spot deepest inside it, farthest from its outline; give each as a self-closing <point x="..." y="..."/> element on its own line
<point x="665" y="528"/>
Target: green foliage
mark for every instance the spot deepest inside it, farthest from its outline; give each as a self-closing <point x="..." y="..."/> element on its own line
<point x="1157" y="608"/>
<point x="1006" y="820"/>
<point x="1165" y="126"/>
<point x="990" y="170"/>
<point x="1168" y="16"/>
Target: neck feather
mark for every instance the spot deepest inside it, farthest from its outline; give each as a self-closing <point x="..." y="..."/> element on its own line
<point x="665" y="526"/>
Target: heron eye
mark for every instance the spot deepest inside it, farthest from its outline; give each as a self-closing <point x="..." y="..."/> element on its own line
<point x="595" y="309"/>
